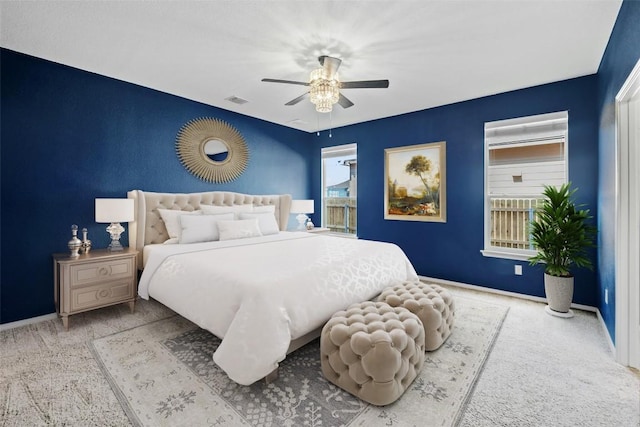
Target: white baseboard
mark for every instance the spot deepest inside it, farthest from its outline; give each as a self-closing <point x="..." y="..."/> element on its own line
<point x="11" y="325"/>
<point x="612" y="346"/>
<point x="500" y="292"/>
<point x="6" y="326"/>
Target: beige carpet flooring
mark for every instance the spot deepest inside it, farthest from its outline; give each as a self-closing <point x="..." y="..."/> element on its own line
<point x="549" y="371"/>
<point x="543" y="371"/>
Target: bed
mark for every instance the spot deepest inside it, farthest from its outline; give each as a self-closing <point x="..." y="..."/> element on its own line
<point x="262" y="295"/>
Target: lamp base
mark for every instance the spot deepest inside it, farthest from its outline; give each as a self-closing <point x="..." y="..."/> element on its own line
<point x="115" y="230"/>
<point x="302" y="220"/>
<point x="115" y="246"/>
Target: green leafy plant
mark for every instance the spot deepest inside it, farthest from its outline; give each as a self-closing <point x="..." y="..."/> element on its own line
<point x="561" y="232"/>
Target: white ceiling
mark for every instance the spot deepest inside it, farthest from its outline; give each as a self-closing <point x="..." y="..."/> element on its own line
<point x="433" y="52"/>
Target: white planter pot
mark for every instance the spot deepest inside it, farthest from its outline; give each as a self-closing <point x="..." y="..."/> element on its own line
<point x="559" y="292"/>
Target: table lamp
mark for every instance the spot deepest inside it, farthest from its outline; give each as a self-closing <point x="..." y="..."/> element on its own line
<point x="114" y="211"/>
<point x="302" y="207"/>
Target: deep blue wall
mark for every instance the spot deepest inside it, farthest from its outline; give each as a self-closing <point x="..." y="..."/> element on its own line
<point x="451" y="250"/>
<point x="69" y="136"/>
<point x="621" y="55"/>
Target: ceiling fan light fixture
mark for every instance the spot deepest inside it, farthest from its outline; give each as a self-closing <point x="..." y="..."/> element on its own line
<point x="324" y="86"/>
<point x="324" y="92"/>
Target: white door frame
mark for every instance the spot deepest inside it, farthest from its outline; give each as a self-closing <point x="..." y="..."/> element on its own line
<point x="627" y="291"/>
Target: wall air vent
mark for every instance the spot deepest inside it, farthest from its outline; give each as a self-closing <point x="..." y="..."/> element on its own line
<point x="236" y="100"/>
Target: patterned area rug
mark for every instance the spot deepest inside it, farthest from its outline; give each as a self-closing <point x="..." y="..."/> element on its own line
<point x="163" y="374"/>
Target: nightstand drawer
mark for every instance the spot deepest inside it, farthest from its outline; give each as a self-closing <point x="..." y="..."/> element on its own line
<point x="101" y="295"/>
<point x="95" y="272"/>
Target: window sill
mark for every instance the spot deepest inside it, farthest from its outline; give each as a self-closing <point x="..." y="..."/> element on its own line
<point x="520" y="256"/>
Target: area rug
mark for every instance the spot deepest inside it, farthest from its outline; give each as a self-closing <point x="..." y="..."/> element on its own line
<point x="163" y="375"/>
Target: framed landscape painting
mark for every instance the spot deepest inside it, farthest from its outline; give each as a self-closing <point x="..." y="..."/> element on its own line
<point x="415" y="187"/>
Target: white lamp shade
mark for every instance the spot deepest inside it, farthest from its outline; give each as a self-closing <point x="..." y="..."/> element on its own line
<point x="302" y="206"/>
<point x="114" y="210"/>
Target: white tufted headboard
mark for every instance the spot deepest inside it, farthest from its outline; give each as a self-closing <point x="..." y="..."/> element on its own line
<point x="148" y="227"/>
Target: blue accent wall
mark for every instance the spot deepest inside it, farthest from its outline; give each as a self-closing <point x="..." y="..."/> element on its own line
<point x="621" y="55"/>
<point x="69" y="136"/>
<point x="451" y="250"/>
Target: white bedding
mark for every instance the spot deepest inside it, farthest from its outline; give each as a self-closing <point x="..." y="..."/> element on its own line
<point x="258" y="294"/>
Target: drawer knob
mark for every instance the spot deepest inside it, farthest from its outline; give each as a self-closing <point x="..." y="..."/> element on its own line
<point x="103" y="271"/>
<point x="103" y="293"/>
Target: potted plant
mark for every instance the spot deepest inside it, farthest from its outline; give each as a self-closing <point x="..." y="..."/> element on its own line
<point x="561" y="233"/>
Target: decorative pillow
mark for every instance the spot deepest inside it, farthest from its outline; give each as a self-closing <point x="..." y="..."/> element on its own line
<point x="236" y="209"/>
<point x="265" y="208"/>
<point x="171" y="218"/>
<point x="202" y="228"/>
<point x="266" y="221"/>
<point x="239" y="229"/>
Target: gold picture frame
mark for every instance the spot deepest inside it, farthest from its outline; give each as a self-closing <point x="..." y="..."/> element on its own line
<point x="415" y="183"/>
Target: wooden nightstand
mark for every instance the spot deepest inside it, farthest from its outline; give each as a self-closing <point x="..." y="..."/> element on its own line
<point x="94" y="280"/>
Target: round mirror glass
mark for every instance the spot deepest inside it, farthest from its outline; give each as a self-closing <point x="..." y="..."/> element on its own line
<point x="216" y="150"/>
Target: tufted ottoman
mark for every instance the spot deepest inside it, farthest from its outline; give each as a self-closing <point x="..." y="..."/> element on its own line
<point x="432" y="303"/>
<point x="372" y="350"/>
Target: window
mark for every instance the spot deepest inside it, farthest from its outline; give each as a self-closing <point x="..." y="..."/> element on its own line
<point x="521" y="156"/>
<point x="339" y="188"/>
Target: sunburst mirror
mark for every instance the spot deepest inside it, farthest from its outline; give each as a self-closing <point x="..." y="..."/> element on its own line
<point x="212" y="150"/>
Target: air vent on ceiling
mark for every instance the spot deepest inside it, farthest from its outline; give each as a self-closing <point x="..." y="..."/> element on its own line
<point x="297" y="122"/>
<point x="236" y="100"/>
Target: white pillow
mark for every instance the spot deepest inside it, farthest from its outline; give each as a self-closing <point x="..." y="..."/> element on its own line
<point x="201" y="228"/>
<point x="266" y="221"/>
<point x="236" y="209"/>
<point x="171" y="218"/>
<point x="264" y="208"/>
<point x="240" y="229"/>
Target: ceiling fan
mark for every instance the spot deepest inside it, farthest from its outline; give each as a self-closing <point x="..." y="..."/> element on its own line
<point x="324" y="86"/>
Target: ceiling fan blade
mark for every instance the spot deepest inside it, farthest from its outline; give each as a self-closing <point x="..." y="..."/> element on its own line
<point x="330" y="65"/>
<point x="286" y="81"/>
<point x="365" y="84"/>
<point x="344" y="102"/>
<point x="298" y="99"/>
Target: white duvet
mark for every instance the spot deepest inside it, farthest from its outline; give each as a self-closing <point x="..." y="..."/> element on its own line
<point x="258" y="294"/>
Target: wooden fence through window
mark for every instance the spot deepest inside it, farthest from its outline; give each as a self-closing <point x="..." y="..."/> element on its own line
<point x="510" y="219"/>
<point x="340" y="214"/>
